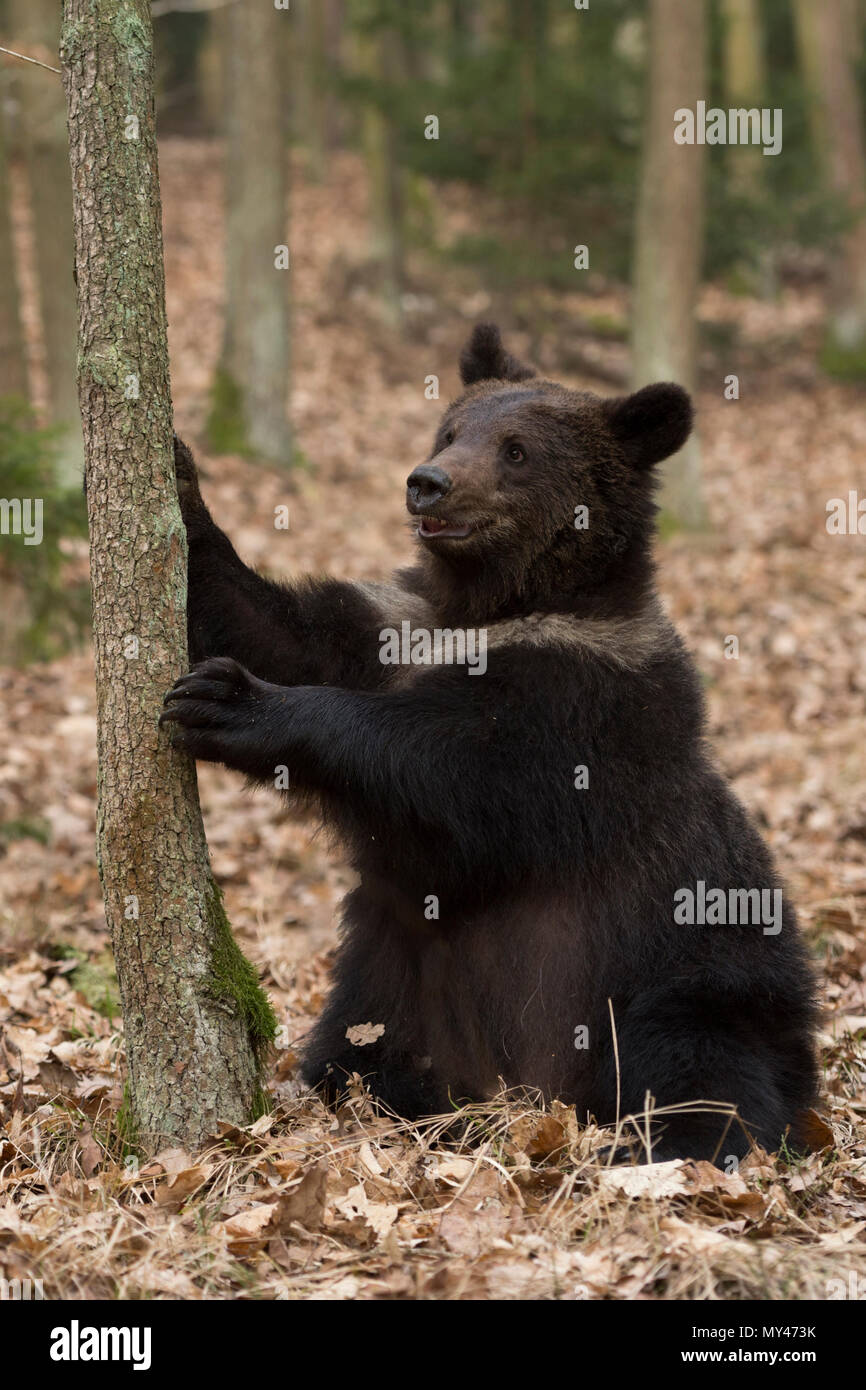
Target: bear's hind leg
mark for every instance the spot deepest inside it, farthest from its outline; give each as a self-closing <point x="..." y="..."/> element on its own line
<point x="684" y="1060"/>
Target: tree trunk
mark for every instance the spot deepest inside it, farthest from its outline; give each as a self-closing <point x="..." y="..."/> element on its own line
<point x="745" y="81"/>
<point x="13" y="365"/>
<point x="467" y="26"/>
<point x="461" y="21"/>
<point x="379" y="60"/>
<point x="251" y="391"/>
<point x="36" y="25"/>
<point x="528" y="27"/>
<point x="335" y="24"/>
<point x="745" y="84"/>
<point x="210" y="76"/>
<point x="669" y="232"/>
<point x="310" y="95"/>
<point x="829" y="42"/>
<point x="196" y="1021"/>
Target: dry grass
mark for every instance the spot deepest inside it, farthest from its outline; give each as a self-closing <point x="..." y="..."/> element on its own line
<point x="504" y="1200"/>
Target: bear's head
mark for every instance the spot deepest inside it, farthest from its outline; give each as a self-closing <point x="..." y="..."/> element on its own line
<point x="535" y="496"/>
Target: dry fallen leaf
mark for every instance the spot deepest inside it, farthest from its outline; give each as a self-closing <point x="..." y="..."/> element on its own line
<point x="450" y="1170"/>
<point x="541" y="1137"/>
<point x="56" y="1077"/>
<point x="647" y="1180"/>
<point x="181" y="1185"/>
<point x="91" y="1153"/>
<point x="174" y="1160"/>
<point x="360" y="1034"/>
<point x="379" y="1216"/>
<point x="247" y="1226"/>
<point x="815" y="1130"/>
<point x="305" y="1202"/>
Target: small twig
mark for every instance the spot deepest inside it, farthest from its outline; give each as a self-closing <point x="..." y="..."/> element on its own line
<point x="648" y="1104"/>
<point x="25" y="59"/>
<point x="616" y="1058"/>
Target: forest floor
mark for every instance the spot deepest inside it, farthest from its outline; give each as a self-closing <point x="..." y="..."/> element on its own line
<point x="307" y="1205"/>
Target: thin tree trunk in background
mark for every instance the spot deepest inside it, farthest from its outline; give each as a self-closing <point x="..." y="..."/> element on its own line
<point x="461" y="29"/>
<point x="194" y="1016"/>
<point x="252" y="389"/>
<point x="335" y="24"/>
<point x="528" y="26"/>
<point x="482" y="24"/>
<point x="468" y="26"/>
<point x="669" y="232"/>
<point x="806" y="29"/>
<point x="745" y="81"/>
<point x="13" y="364"/>
<point x="309" y="88"/>
<point x="379" y="60"/>
<point x="36" y="27"/>
<point x="230" y="364"/>
<point x="829" y="42"/>
<point x="210" y="76"/>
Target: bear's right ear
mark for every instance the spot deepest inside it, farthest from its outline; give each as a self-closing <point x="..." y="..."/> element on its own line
<point x="653" y="423"/>
<point x="485" y="359"/>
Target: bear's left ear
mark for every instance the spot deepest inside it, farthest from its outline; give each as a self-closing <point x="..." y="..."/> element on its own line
<point x="485" y="359"/>
<point x="653" y="423"/>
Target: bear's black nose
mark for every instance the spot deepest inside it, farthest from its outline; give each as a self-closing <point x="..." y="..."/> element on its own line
<point x="427" y="485"/>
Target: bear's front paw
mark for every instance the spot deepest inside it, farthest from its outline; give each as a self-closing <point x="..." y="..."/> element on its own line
<point x="213" y="708"/>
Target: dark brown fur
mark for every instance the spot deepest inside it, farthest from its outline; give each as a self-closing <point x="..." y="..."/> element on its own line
<point x="553" y="904"/>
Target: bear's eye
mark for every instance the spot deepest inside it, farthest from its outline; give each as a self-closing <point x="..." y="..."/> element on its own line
<point x="448" y="438"/>
<point x="515" y="454"/>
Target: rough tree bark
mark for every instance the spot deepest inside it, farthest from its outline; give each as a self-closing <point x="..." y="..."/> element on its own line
<point x="36" y="26"/>
<point x="669" y="232"/>
<point x="196" y="1021"/>
<point x="252" y="384"/>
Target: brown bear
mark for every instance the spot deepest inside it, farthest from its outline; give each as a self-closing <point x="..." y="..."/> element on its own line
<point x="557" y="889"/>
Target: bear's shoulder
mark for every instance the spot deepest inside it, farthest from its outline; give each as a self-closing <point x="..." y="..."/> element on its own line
<point x="628" y="642"/>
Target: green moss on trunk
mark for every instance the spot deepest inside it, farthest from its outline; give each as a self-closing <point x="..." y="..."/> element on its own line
<point x="127" y="1126"/>
<point x="235" y="980"/>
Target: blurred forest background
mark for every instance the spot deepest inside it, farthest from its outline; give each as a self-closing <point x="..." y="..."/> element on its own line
<point x="347" y="186"/>
<point x="516" y="158"/>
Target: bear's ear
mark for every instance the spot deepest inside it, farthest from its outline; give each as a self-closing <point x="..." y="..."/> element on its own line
<point x="653" y="423"/>
<point x="485" y="359"/>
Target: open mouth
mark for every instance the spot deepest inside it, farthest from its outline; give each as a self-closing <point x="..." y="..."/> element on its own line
<point x="435" y="528"/>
